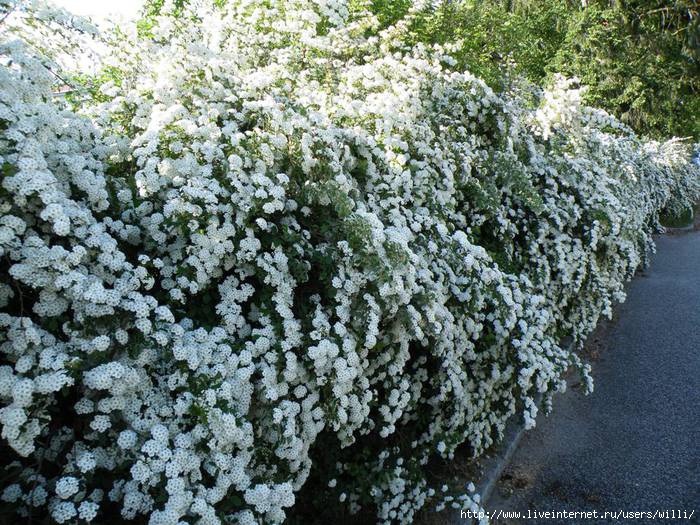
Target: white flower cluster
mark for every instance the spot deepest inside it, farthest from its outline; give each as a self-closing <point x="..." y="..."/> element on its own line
<point x="273" y="249"/>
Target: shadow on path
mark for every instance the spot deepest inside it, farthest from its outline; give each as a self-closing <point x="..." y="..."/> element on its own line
<point x="634" y="444"/>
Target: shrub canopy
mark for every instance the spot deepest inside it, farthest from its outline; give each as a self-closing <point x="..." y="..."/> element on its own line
<point x="270" y="244"/>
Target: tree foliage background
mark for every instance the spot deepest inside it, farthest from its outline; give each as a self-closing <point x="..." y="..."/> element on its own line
<point x="639" y="58"/>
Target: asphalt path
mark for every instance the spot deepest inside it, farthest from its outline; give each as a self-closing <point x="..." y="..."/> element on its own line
<point x="634" y="444"/>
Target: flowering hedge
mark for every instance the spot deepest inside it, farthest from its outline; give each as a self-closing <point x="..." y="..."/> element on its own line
<point x="273" y="234"/>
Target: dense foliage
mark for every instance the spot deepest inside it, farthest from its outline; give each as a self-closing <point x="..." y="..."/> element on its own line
<point x="271" y="241"/>
<point x="639" y="58"/>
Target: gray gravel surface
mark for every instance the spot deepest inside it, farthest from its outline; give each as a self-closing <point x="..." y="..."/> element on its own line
<point x="634" y="444"/>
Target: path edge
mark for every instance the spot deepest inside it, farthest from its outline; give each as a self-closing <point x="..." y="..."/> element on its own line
<point x="494" y="464"/>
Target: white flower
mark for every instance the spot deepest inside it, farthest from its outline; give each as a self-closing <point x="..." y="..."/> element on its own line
<point x="87" y="511"/>
<point x="11" y="493"/>
<point x="66" y="487"/>
<point x="266" y="236"/>
<point x="63" y="511"/>
<point x="127" y="439"/>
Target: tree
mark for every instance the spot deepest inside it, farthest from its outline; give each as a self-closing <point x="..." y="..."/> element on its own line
<point x="641" y="61"/>
<point x="639" y="58"/>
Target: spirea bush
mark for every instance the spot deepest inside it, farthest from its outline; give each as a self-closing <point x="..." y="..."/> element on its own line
<point x="272" y="245"/>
